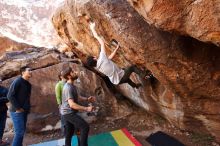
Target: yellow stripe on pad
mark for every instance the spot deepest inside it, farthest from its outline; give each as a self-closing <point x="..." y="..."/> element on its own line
<point x="121" y="138"/>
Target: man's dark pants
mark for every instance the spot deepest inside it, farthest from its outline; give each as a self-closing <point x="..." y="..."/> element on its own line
<point x="74" y="121"/>
<point x="62" y="125"/>
<point x="3" y="117"/>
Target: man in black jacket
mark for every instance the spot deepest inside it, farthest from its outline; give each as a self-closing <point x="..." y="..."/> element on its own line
<point x="19" y="97"/>
<point x="3" y="112"/>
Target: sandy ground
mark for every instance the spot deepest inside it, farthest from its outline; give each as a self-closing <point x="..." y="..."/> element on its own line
<point x="140" y="124"/>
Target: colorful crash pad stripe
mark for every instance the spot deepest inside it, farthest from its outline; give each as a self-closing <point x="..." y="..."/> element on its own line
<point x="115" y="138"/>
<point x="124" y="138"/>
<point x="136" y="143"/>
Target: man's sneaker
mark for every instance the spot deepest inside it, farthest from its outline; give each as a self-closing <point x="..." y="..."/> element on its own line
<point x="149" y="76"/>
<point x="145" y="73"/>
<point x="4" y="143"/>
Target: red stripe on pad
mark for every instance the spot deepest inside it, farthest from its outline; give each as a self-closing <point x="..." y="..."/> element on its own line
<point x="127" y="133"/>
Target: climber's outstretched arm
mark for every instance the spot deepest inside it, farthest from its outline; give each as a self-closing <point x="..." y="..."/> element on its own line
<point x="100" y="40"/>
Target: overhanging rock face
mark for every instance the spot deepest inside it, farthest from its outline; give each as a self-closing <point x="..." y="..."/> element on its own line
<point x="197" y="18"/>
<point x="187" y="89"/>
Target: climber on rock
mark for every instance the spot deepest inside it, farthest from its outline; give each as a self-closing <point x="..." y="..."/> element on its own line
<point x="106" y="66"/>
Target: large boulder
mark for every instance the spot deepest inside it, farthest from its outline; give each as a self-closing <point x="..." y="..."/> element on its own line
<point x="12" y="61"/>
<point x="46" y="65"/>
<point x="7" y="44"/>
<point x="199" y="19"/>
<point x="186" y="89"/>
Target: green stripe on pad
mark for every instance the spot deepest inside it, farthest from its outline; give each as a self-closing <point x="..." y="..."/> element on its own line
<point x="104" y="139"/>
